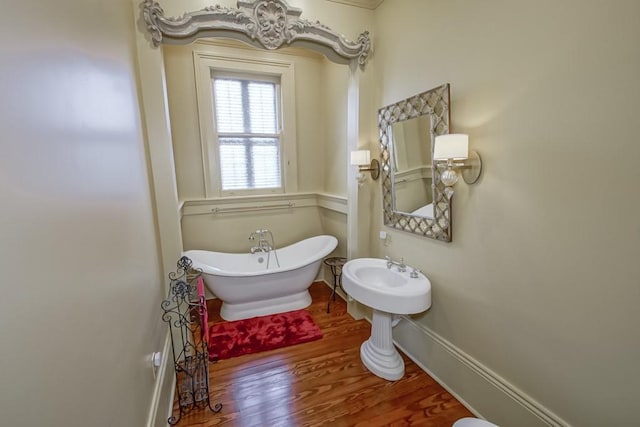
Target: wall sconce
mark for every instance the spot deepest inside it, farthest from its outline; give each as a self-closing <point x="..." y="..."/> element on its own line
<point x="362" y="159"/>
<point x="452" y="151"/>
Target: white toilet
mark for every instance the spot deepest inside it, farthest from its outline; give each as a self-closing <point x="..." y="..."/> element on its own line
<point x="473" y="422"/>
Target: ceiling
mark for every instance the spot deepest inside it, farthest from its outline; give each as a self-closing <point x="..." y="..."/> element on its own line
<point x="367" y="4"/>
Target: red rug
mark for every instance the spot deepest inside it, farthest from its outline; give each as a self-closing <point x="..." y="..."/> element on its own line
<point x="231" y="339"/>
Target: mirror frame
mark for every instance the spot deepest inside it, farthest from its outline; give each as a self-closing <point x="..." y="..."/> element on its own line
<point x="434" y="103"/>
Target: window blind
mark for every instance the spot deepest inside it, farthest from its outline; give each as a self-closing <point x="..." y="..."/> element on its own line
<point x="246" y="118"/>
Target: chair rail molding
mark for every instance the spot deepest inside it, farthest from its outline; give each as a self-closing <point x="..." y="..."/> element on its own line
<point x="270" y="24"/>
<point x="222" y="205"/>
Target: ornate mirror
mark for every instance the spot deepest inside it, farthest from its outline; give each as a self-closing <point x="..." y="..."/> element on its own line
<point x="414" y="198"/>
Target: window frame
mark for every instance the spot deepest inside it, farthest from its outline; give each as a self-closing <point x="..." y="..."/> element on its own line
<point x="207" y="65"/>
<point x="260" y="78"/>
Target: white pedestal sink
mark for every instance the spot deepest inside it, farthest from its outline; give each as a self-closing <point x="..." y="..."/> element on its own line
<point x="388" y="291"/>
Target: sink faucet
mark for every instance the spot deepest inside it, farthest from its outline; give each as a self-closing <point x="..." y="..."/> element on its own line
<point x="401" y="265"/>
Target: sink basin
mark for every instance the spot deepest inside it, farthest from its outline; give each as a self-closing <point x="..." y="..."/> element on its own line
<point x="369" y="281"/>
<point x="388" y="291"/>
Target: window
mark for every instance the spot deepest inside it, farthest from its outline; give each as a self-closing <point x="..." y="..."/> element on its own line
<point x="246" y="120"/>
<point x="246" y="112"/>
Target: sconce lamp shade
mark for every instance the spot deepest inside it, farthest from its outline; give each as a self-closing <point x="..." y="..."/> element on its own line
<point x="360" y="157"/>
<point x="451" y="146"/>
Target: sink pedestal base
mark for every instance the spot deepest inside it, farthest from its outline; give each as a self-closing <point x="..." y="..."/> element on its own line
<point x="378" y="353"/>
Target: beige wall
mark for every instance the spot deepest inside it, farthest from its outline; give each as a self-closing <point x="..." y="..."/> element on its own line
<point x="81" y="275"/>
<point x="541" y="281"/>
<point x="539" y="284"/>
<point x="184" y="113"/>
<point x="321" y="97"/>
<point x="230" y="232"/>
<point x="335" y="85"/>
<point x="321" y="105"/>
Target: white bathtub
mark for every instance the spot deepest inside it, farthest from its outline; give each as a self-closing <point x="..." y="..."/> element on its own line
<point x="248" y="288"/>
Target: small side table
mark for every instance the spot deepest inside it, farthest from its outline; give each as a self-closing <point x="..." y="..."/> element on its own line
<point x="335" y="263"/>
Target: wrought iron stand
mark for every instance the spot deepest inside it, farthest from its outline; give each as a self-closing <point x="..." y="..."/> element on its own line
<point x="336" y="264"/>
<point x="183" y="311"/>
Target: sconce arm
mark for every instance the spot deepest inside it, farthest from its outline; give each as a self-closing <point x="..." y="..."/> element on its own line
<point x="471" y="167"/>
<point x="374" y="168"/>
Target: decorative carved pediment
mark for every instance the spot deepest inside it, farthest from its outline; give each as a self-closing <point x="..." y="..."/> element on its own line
<point x="271" y="24"/>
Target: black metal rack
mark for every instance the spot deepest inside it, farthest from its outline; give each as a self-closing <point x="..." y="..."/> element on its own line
<point x="183" y="310"/>
<point x="335" y="263"/>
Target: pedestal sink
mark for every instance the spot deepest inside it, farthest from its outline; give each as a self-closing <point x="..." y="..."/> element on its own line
<point x="387" y="291"/>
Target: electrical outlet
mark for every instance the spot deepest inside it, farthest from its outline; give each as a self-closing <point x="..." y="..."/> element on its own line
<point x="385" y="238"/>
<point x="156" y="361"/>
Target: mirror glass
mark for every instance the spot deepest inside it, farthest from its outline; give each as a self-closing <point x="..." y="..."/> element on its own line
<point x="411" y="153"/>
<point x="414" y="198"/>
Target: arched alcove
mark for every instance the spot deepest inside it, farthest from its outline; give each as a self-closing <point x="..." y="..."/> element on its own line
<point x="265" y="24"/>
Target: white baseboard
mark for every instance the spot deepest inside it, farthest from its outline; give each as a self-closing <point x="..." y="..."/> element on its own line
<point x="339" y="291"/>
<point x="172" y="396"/>
<point x="163" y="390"/>
<point x="481" y="390"/>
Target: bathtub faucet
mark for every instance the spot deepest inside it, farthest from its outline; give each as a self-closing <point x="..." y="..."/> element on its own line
<point x="260" y="248"/>
<point x="266" y="244"/>
<point x="263" y="244"/>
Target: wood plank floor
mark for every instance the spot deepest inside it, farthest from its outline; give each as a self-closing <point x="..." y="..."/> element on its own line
<point x="321" y="383"/>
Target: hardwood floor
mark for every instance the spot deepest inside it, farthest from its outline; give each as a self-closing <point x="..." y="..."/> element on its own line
<point x="321" y="383"/>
